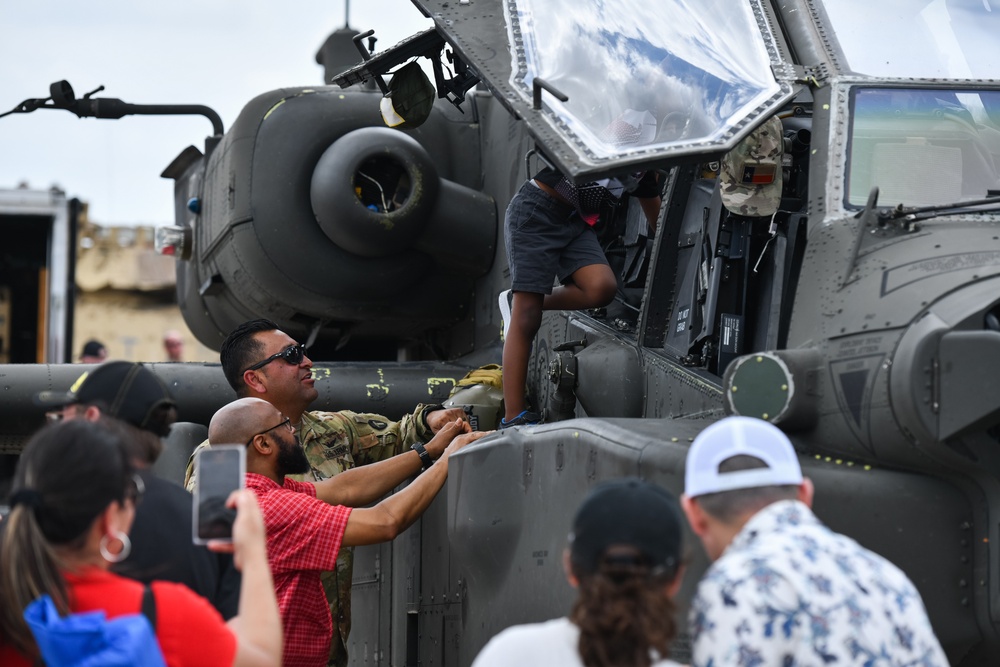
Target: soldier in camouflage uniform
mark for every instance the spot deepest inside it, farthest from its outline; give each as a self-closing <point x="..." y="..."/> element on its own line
<point x="751" y="173"/>
<point x="261" y="361"/>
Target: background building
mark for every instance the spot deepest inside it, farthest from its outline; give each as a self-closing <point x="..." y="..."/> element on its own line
<point x="125" y="296"/>
<point x="65" y="280"/>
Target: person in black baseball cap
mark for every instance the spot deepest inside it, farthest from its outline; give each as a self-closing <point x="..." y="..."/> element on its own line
<point x="93" y="352"/>
<point x="123" y="390"/>
<point x="624" y="559"/>
<point x="131" y="401"/>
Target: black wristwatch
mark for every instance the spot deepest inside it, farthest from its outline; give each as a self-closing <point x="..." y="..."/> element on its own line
<point x="429" y="409"/>
<point x="421" y="451"/>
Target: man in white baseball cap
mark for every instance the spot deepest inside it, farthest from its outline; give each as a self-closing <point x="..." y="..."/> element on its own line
<point x="785" y="589"/>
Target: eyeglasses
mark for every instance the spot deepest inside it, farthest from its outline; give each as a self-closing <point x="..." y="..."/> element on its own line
<point x="135" y="490"/>
<point x="287" y="422"/>
<point x="292" y="354"/>
<point x="59" y="415"/>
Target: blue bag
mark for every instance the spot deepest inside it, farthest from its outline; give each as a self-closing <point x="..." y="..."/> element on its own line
<point x="91" y="640"/>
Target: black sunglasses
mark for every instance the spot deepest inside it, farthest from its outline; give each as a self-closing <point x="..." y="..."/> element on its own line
<point x="292" y="354"/>
<point x="287" y="422"/>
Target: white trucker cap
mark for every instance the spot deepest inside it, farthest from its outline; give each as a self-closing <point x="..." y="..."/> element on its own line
<point x="735" y="436"/>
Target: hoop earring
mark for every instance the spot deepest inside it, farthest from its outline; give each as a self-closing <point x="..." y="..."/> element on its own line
<point x="121" y="555"/>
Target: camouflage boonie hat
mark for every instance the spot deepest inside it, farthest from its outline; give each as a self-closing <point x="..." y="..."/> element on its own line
<point x="751" y="172"/>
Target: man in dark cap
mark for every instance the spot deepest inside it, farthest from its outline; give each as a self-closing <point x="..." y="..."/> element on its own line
<point x="624" y="559"/>
<point x="121" y="390"/>
<point x="93" y="352"/>
<point x="132" y="401"/>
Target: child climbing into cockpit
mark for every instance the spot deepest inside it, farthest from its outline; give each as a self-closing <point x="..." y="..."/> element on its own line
<point x="548" y="230"/>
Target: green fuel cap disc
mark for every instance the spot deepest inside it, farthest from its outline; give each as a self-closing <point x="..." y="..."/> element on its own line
<point x="778" y="386"/>
<point x="759" y="385"/>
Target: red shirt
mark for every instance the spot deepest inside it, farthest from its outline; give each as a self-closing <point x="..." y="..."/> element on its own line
<point x="303" y="538"/>
<point x="189" y="629"/>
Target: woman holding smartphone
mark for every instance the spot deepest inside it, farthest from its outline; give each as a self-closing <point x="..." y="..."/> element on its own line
<point x="72" y="504"/>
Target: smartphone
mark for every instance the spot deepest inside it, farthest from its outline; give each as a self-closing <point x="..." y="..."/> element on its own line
<point x="219" y="470"/>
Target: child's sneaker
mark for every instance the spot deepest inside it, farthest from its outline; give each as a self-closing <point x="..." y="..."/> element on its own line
<point x="525" y="418"/>
<point x="506" y="299"/>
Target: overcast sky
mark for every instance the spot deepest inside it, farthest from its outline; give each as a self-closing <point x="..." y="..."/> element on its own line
<point x="220" y="53"/>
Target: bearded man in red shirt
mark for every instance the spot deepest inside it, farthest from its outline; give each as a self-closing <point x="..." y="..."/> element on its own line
<point x="308" y="523"/>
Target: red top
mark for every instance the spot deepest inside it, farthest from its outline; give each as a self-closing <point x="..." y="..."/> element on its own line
<point x="303" y="538"/>
<point x="180" y="616"/>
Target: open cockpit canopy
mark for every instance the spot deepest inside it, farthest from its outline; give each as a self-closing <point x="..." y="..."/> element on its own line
<point x="603" y="86"/>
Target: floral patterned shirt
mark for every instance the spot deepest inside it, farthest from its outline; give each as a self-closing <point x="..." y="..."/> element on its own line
<point x="790" y="591"/>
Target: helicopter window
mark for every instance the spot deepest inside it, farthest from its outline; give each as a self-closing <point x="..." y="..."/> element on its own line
<point x="953" y="39"/>
<point x="697" y="68"/>
<point x="923" y="146"/>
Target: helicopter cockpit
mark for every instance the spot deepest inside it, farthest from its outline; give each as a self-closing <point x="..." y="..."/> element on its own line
<point x="713" y="284"/>
<point x="707" y="75"/>
<point x="930" y="146"/>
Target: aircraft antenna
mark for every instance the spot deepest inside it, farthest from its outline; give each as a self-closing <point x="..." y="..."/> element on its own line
<point x="865" y="218"/>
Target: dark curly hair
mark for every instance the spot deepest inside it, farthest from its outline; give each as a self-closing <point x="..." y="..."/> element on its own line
<point x="624" y="615"/>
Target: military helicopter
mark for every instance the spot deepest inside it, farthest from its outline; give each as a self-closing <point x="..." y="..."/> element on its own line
<point x="861" y="314"/>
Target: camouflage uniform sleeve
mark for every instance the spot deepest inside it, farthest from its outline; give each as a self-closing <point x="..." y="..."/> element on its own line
<point x="189" y="470"/>
<point x="346" y="439"/>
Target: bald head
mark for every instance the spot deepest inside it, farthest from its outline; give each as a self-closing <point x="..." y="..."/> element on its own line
<point x="274" y="451"/>
<point x="241" y="420"/>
